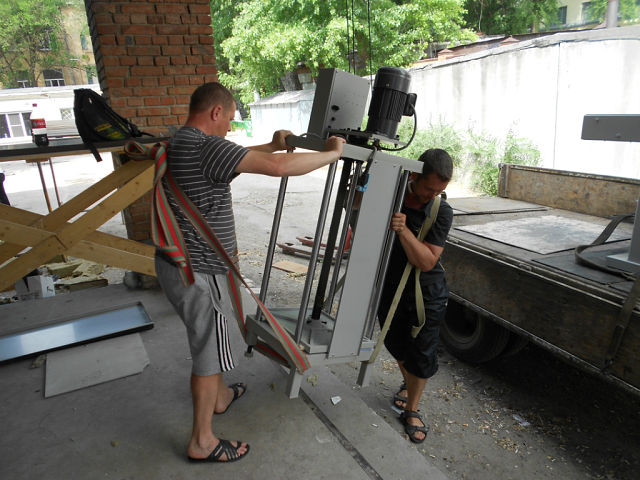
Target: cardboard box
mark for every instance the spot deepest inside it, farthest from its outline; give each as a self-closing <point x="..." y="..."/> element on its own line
<point x="41" y="286"/>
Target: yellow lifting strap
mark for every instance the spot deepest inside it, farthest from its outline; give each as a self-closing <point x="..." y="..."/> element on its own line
<point x="426" y="226"/>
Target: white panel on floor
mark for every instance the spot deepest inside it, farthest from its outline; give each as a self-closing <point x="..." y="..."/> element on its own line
<point x="79" y="367"/>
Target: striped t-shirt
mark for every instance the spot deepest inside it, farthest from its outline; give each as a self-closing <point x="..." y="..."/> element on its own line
<point x="203" y="166"/>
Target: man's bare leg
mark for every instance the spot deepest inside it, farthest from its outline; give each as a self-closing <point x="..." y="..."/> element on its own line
<point x="415" y="387"/>
<point x="204" y="392"/>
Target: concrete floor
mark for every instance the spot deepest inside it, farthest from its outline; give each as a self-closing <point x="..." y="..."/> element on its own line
<point x="138" y="426"/>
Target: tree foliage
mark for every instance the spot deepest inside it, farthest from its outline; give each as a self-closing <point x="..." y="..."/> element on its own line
<point x="628" y="10"/>
<point x="261" y="40"/>
<point x="510" y="16"/>
<point x="31" y="39"/>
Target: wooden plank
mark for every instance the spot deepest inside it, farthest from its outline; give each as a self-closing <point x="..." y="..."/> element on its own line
<point x="76" y="205"/>
<point x="71" y="234"/>
<point x="27" y="218"/>
<point x="304" y="250"/>
<point x="100" y="247"/>
<point x="94" y="193"/>
<point x="592" y="194"/>
<point x="115" y="257"/>
<point x="108" y="208"/>
<point x="289" y="266"/>
<point x="21" y="235"/>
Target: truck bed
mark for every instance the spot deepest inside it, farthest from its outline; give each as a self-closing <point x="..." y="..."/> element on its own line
<point x="515" y="262"/>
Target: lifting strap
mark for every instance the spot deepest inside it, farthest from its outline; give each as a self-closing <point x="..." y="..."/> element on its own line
<point x="167" y="237"/>
<point x="624" y="315"/>
<point x="426" y="226"/>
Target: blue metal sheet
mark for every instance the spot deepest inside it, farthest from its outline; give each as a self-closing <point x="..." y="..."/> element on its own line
<point x="75" y="331"/>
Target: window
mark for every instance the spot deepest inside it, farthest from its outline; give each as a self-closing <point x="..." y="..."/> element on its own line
<point x="45" y="41"/>
<point x="84" y="42"/>
<point x="562" y="15"/>
<point x="587" y="14"/>
<point x="91" y="74"/>
<point x="67" y="113"/>
<point x="14" y="125"/>
<point x="53" y="78"/>
<point x="23" y="79"/>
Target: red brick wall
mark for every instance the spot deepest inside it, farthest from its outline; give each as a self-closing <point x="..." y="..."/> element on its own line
<point x="150" y="56"/>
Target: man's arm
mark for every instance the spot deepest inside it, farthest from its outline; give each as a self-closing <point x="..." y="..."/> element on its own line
<point x="423" y="255"/>
<point x="289" y="164"/>
<point x="277" y="143"/>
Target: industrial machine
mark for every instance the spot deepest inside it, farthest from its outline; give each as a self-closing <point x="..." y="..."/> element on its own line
<point x="336" y="326"/>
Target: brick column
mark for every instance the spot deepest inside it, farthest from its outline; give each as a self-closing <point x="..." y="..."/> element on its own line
<point x="150" y="56"/>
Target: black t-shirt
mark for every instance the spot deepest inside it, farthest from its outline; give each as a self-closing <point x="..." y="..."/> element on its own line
<point x="437" y="235"/>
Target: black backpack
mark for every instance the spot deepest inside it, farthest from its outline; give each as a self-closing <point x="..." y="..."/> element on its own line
<point x="98" y="122"/>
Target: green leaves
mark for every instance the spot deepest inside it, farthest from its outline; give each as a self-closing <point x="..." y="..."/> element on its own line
<point x="510" y="16"/>
<point x="31" y="33"/>
<point x="268" y="38"/>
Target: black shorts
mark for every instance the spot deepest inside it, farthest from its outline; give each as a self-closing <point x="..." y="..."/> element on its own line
<point x="418" y="355"/>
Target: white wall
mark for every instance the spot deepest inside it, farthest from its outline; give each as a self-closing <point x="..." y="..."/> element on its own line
<point x="286" y="110"/>
<point x="542" y="89"/>
<point x="49" y="99"/>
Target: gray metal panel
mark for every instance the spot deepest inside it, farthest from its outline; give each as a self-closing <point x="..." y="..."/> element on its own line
<point x="86" y="365"/>
<point x="542" y="234"/>
<point x="619" y="128"/>
<point x="72" y="332"/>
<point x="365" y="258"/>
<point x="567" y="263"/>
<point x="492" y="205"/>
<point x="339" y="102"/>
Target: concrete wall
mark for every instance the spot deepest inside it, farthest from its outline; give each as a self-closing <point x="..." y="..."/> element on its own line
<point x="542" y="89"/>
<point x="286" y="110"/>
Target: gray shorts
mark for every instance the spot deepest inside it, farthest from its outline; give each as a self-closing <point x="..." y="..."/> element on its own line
<point x="204" y="308"/>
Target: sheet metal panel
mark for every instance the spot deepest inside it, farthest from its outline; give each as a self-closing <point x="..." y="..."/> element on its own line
<point x="365" y="258"/>
<point x="542" y="234"/>
<point x="75" y="331"/>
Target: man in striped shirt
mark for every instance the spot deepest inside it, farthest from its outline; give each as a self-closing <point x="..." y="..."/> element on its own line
<point x="204" y="163"/>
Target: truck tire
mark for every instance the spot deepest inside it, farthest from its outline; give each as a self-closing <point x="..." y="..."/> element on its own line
<point x="515" y="344"/>
<point x="470" y="336"/>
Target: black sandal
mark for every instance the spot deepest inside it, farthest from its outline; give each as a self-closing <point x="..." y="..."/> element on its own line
<point x="236" y="395"/>
<point x="400" y="398"/>
<point x="224" y="447"/>
<point x="411" y="430"/>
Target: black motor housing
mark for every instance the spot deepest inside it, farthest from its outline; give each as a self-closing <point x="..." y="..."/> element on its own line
<point x="390" y="101"/>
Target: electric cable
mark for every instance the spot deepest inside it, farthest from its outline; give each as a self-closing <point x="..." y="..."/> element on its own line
<point x="370" y="50"/>
<point x="346" y="14"/>
<point x="415" y="128"/>
<point x="353" y="35"/>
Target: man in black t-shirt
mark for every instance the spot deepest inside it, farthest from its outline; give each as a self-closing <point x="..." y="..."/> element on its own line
<point x="417" y="356"/>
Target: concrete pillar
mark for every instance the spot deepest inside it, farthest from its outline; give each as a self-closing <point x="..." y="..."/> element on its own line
<point x="150" y="56"/>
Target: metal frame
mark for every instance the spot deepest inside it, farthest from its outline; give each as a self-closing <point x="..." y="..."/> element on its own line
<point x="344" y="336"/>
<point x="75" y="330"/>
<point x="619" y="128"/>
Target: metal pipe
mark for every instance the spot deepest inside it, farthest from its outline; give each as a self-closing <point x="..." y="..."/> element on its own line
<point x="386" y="257"/>
<point x="55" y="185"/>
<point x="315" y="251"/>
<point x="272" y="243"/>
<point x="612" y="14"/>
<point x="44" y="187"/>
<point x="329" y="252"/>
<point x="345" y="230"/>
